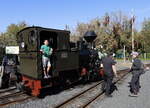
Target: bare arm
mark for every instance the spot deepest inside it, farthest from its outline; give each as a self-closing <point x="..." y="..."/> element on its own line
<point x="114" y="70"/>
<point x="101" y="65"/>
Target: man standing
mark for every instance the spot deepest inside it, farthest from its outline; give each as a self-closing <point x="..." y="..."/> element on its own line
<point x="9" y="62"/>
<point x="46" y="53"/>
<point x="108" y="64"/>
<point x="137" y="69"/>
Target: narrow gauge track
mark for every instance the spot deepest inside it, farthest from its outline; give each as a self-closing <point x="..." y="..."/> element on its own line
<point x="12" y="95"/>
<point x="84" y="98"/>
<point x="101" y="94"/>
<point x="7" y="89"/>
<point x="77" y="95"/>
<point x="8" y="92"/>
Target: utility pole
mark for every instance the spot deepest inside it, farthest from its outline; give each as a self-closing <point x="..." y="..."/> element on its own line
<point x="132" y="30"/>
<point x="66" y="27"/>
<point x="124" y="53"/>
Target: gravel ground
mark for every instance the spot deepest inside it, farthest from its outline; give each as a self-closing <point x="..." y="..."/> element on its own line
<point x="121" y="99"/>
<point x="52" y="100"/>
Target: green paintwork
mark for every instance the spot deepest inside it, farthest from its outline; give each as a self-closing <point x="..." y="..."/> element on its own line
<point x="63" y="59"/>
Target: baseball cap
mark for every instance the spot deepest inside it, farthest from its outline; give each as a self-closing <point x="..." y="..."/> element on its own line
<point x="111" y="54"/>
<point x="135" y="53"/>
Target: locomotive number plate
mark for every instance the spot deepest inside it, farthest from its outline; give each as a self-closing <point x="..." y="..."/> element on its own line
<point x="64" y="55"/>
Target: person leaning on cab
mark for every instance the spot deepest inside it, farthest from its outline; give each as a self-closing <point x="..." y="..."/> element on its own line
<point x="46" y="54"/>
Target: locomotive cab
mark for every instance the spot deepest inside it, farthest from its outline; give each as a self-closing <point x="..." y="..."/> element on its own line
<point x="62" y="55"/>
<point x="30" y="40"/>
<point x="64" y="61"/>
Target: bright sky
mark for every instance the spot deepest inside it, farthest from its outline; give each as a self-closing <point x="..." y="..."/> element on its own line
<point x="58" y="13"/>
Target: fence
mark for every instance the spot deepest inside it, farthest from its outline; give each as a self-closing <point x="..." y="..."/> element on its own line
<point x="144" y="56"/>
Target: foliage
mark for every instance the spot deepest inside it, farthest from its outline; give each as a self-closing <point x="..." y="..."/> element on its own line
<point x="114" y="31"/>
<point x="9" y="37"/>
<point x="145" y="36"/>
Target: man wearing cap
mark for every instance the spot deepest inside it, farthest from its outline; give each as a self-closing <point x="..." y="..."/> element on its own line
<point x="108" y="63"/>
<point x="136" y="69"/>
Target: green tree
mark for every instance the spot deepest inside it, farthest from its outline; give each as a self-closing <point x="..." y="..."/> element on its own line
<point x="9" y="37"/>
<point x="113" y="31"/>
<point x="145" y="36"/>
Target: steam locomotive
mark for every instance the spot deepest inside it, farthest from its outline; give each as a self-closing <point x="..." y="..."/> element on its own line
<point x="70" y="61"/>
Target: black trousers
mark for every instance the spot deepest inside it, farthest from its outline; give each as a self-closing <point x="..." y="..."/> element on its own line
<point x="135" y="82"/>
<point x="106" y="85"/>
<point x="5" y="80"/>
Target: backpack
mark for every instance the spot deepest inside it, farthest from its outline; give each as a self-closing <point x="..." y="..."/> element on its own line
<point x="142" y="71"/>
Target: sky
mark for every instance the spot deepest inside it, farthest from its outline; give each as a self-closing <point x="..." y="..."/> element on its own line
<point x="58" y="13"/>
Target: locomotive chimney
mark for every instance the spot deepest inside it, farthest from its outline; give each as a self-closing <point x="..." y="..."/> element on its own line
<point x="90" y="36"/>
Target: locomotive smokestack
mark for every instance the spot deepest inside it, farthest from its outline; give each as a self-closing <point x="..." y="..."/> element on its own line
<point x="90" y="36"/>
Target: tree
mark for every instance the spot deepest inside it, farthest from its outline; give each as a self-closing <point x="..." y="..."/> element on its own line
<point x="145" y="35"/>
<point x="9" y="37"/>
<point x="113" y="31"/>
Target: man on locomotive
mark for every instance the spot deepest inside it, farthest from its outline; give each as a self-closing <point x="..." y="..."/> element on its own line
<point x="46" y="53"/>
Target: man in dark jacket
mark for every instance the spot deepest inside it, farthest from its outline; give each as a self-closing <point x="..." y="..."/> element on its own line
<point x="108" y="64"/>
<point x="9" y="62"/>
<point x="137" y="69"/>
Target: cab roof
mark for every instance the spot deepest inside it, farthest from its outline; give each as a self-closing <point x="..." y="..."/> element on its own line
<point x="42" y="28"/>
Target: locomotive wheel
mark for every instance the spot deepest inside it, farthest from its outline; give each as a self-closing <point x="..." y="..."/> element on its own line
<point x="85" y="79"/>
<point x="93" y="76"/>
